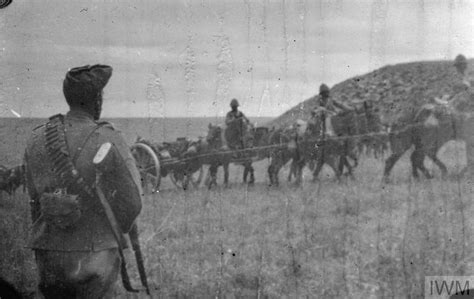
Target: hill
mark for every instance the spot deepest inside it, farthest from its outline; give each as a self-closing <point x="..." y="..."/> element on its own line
<point x="394" y="89"/>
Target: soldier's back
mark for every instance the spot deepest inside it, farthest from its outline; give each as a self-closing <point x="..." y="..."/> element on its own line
<point x="84" y="136"/>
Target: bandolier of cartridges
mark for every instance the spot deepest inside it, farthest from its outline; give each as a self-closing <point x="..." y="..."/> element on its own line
<point x="58" y="152"/>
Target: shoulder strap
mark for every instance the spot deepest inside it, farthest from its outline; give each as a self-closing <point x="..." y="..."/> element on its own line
<point x="57" y="149"/>
<point x="84" y="142"/>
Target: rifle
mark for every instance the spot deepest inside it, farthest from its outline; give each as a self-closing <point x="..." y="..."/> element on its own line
<point x="134" y="240"/>
<point x="119" y="237"/>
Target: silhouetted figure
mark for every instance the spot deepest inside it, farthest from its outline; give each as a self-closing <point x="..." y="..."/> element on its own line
<point x="75" y="247"/>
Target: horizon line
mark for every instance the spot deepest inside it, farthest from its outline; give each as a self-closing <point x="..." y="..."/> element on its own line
<point x="163" y="117"/>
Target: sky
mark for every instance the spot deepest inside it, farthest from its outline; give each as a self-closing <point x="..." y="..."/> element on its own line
<point x="189" y="58"/>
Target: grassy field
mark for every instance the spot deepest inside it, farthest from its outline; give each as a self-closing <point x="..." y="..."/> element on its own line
<point x="355" y="239"/>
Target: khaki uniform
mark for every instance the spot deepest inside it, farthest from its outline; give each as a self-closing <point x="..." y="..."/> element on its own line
<point x="234" y="117"/>
<point x="121" y="184"/>
<point x="332" y="105"/>
<point x="236" y="123"/>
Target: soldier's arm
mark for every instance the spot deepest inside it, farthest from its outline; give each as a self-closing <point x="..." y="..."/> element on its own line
<point x="123" y="182"/>
<point x="244" y="117"/>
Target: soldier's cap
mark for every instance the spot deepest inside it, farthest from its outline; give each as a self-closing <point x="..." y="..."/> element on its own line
<point x="234" y="102"/>
<point x="323" y="88"/>
<point x="86" y="80"/>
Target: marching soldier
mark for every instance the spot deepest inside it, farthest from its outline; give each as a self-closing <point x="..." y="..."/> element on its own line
<point x="76" y="250"/>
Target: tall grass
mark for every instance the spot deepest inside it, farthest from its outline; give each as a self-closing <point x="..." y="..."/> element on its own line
<point x="357" y="239"/>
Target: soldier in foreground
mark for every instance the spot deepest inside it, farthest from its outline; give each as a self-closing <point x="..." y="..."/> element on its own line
<point x="76" y="251"/>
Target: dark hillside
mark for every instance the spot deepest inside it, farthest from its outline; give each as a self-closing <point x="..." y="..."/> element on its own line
<point x="395" y="89"/>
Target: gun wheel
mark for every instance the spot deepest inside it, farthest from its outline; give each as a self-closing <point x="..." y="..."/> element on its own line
<point x="148" y="165"/>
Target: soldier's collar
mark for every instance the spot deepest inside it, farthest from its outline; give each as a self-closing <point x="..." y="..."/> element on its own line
<point x="76" y="113"/>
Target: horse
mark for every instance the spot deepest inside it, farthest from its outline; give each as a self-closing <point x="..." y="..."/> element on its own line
<point x="239" y="137"/>
<point x="432" y="127"/>
<point x="317" y="144"/>
<point x="190" y="164"/>
<point x="216" y="154"/>
<point x="359" y="125"/>
<point x="322" y="145"/>
<point x="355" y="129"/>
<point x="12" y="178"/>
<point x="367" y="121"/>
<point x="299" y="143"/>
<point x="261" y="140"/>
<point x="283" y="149"/>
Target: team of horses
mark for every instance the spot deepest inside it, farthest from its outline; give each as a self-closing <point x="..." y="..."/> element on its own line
<point x="336" y="140"/>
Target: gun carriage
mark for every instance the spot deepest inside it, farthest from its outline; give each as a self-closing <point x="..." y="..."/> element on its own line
<point x="174" y="159"/>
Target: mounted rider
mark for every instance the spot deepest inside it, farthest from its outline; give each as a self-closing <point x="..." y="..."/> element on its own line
<point x="324" y="102"/>
<point x="75" y="245"/>
<point x="237" y="124"/>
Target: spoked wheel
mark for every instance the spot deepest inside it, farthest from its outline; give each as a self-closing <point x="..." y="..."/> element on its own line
<point x="148" y="165"/>
<point x="195" y="179"/>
